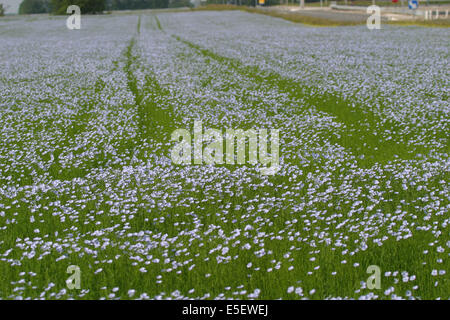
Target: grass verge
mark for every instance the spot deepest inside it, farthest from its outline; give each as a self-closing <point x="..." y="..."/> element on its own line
<point x="315" y="21"/>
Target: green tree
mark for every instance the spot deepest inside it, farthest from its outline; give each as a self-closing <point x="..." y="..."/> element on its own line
<point x="136" y="4"/>
<point x="179" y="3"/>
<point x="2" y="10"/>
<point x="34" y="6"/>
<point x="86" y="6"/>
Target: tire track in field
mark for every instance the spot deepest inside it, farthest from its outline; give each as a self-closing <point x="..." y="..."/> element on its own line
<point x="158" y="24"/>
<point x="361" y="135"/>
<point x="153" y="121"/>
<point x="253" y="103"/>
<point x="85" y="113"/>
<point x="258" y="104"/>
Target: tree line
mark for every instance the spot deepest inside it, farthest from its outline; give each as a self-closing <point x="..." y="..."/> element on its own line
<point x="96" y="6"/>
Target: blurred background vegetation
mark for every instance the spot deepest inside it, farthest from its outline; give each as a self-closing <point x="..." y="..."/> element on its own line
<point x="96" y="6"/>
<point x="99" y="6"/>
